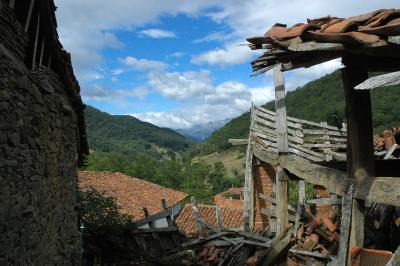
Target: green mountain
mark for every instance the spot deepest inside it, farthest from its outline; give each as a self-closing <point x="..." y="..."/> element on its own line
<point x="318" y="100"/>
<point x="128" y="135"/>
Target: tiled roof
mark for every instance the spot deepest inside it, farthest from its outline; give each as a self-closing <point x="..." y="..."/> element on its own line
<point x="132" y="194"/>
<point x="231" y="218"/>
<point x="322" y="39"/>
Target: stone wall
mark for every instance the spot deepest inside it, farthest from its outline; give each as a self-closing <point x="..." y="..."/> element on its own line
<point x="39" y="142"/>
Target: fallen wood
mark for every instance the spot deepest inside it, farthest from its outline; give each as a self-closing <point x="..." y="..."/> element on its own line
<point x="273" y="201"/>
<point x="345" y="227"/>
<point x="325" y="201"/>
<point x="380" y="81"/>
<point x="309" y="253"/>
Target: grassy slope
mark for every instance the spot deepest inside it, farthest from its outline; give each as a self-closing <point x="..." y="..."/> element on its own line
<point x="130" y="136"/>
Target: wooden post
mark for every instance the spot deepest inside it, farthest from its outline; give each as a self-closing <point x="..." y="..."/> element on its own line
<point x="345" y="228"/>
<point x="169" y="221"/>
<point x="300" y="204"/>
<point x="360" y="153"/>
<point x="328" y="156"/>
<point x="49" y="64"/>
<point x="36" y="43"/>
<point x="28" y="18"/>
<point x="12" y="3"/>
<point x="248" y="190"/>
<point x="42" y="52"/>
<point x="283" y="147"/>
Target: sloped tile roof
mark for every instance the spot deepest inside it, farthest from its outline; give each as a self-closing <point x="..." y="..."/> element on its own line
<point x="131" y="194"/>
<point x="231" y="217"/>
<point x="322" y="39"/>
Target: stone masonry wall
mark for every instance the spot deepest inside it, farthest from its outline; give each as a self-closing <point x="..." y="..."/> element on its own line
<point x="264" y="176"/>
<point x="38" y="169"/>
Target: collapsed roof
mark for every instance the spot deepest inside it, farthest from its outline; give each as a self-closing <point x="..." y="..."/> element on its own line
<point x="319" y="40"/>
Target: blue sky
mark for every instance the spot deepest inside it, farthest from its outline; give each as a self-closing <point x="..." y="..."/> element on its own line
<point x="177" y="63"/>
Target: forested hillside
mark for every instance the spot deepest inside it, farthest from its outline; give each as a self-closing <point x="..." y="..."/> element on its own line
<point x="129" y="136"/>
<point x="318" y="100"/>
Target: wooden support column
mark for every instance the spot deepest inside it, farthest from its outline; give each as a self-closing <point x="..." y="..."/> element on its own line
<point x="248" y="190"/>
<point x="12" y="3"/>
<point x="283" y="147"/>
<point x="300" y="204"/>
<point x="360" y="153"/>
<point x="29" y="16"/>
<point x="36" y="43"/>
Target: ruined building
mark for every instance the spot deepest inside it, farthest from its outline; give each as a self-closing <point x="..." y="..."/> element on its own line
<point x="42" y="139"/>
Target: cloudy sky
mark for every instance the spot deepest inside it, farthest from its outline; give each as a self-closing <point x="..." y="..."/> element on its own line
<point x="177" y="63"/>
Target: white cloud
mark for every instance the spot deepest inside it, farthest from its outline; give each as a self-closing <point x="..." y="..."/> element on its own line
<point x="157" y="33"/>
<point x="140" y="64"/>
<point x="181" y="86"/>
<point x="213" y="36"/>
<point x="202" y="100"/>
<point x="228" y="55"/>
<point x="104" y="93"/>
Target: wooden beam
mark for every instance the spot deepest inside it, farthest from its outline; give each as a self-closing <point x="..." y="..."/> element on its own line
<point x="380" y="81"/>
<point x="345" y="227"/>
<point x="29" y="16"/>
<point x="360" y="152"/>
<point x="271" y="213"/>
<point x="325" y="201"/>
<point x="394" y="39"/>
<point x="218" y="217"/>
<point x="238" y="141"/>
<point x="273" y="201"/>
<point x="36" y="43"/>
<point x="300" y="204"/>
<point x="248" y="190"/>
<point x="283" y="147"/>
<point x="395" y="260"/>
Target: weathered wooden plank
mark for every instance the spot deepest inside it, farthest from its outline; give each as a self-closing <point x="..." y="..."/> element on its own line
<point x="277" y="248"/>
<point x="337" y="155"/>
<point x="314" y="46"/>
<point x="42" y="52"/>
<point x="271" y="213"/>
<point x="324" y="145"/>
<point x="153" y="230"/>
<point x="300" y="204"/>
<point x="360" y="151"/>
<point x="238" y="141"/>
<point x="332" y="179"/>
<point x="384" y="190"/>
<point x="254" y="236"/>
<point x="394" y="39"/>
<point x="273" y="201"/>
<point x="390" y="151"/>
<point x="206" y="239"/>
<point x="309" y="253"/>
<point x="283" y="147"/>
<point x="322" y="132"/>
<point x="380" y="81"/>
<point x="301" y="121"/>
<point x="345" y="227"/>
<point x="325" y="201"/>
<point x="248" y="190"/>
<point x="395" y="260"/>
<point x="306" y="155"/>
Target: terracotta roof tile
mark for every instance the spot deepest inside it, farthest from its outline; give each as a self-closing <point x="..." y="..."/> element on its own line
<point x="358" y="34"/>
<point x="232" y="218"/>
<point x="132" y="194"/>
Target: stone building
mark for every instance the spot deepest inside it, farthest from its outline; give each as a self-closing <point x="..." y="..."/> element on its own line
<point x="42" y="139"/>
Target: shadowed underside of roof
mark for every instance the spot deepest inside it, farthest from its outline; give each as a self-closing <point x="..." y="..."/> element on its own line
<point x="376" y="34"/>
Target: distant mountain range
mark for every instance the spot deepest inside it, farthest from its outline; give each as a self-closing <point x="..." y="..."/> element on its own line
<point x="130" y="136"/>
<point x="202" y="131"/>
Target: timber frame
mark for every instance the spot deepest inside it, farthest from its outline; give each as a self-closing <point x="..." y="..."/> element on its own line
<point x="282" y="145"/>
